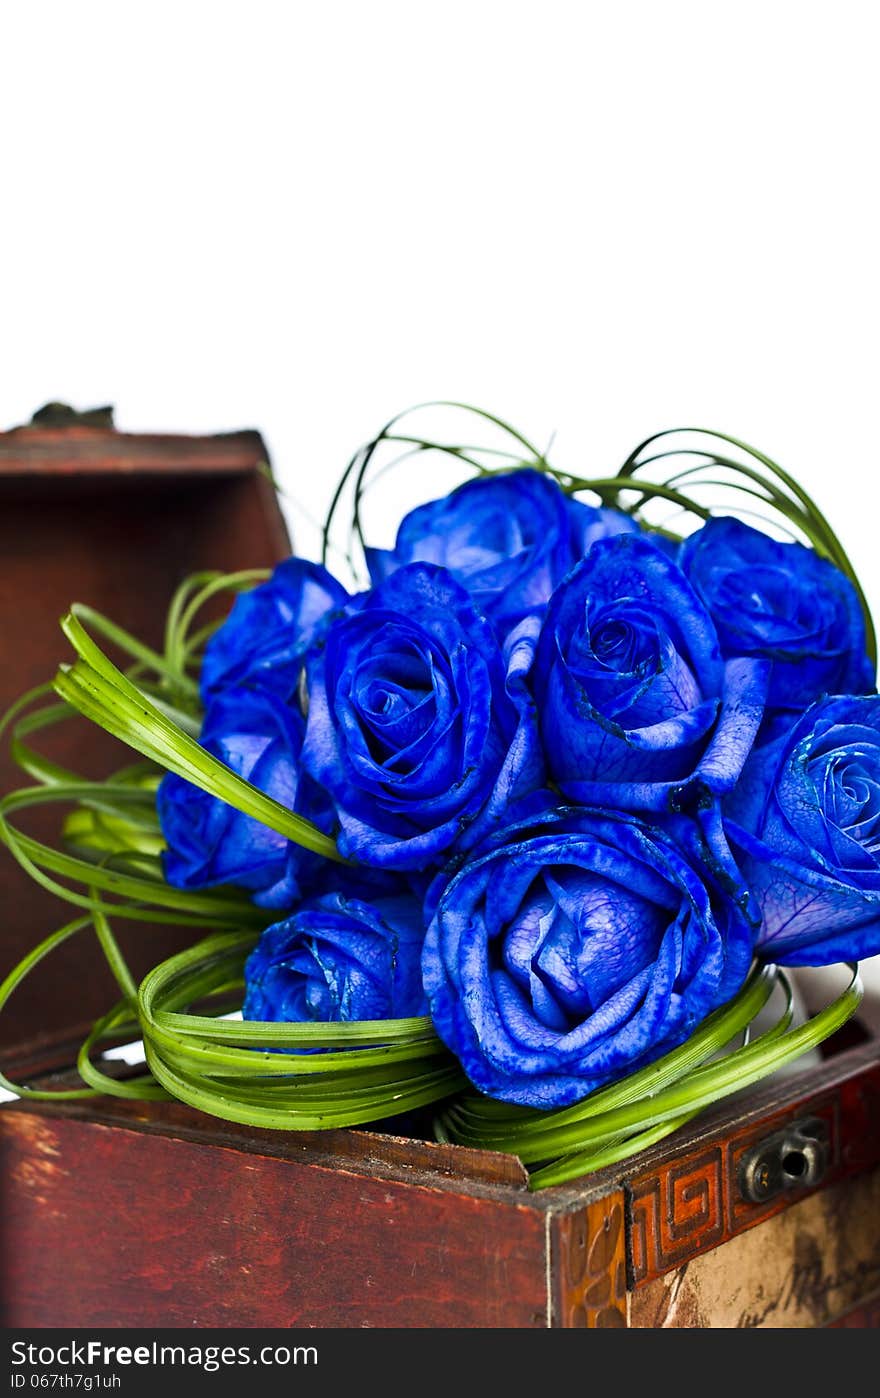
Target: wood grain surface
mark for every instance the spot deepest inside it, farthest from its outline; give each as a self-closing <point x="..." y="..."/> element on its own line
<point x="104" y="1225"/>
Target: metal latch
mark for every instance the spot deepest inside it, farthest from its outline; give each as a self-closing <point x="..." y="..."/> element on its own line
<point x="795" y="1158"/>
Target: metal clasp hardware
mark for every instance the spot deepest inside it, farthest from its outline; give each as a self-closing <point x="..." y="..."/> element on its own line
<point x="794" y="1158"/>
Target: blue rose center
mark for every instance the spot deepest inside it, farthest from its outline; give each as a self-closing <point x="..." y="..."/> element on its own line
<point x="395" y="698"/>
<point x="629" y="667"/>
<point x="848" y="790"/>
<point x="577" y="941"/>
<point x="623" y="647"/>
<point x="307" y="985"/>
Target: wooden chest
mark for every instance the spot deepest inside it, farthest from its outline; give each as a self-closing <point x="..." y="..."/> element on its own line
<point x="764" y="1212"/>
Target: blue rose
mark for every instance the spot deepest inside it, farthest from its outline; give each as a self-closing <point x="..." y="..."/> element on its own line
<point x="209" y="842"/>
<point x="269" y="629"/>
<point x="346" y="955"/>
<point x="418" y="729"/>
<point x="783" y="603"/>
<point x="508" y="537"/>
<point x="579" y="950"/>
<point x="638" y="710"/>
<point x="805" y="825"/>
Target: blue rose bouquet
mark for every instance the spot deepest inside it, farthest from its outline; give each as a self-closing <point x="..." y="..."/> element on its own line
<point x="521" y="826"/>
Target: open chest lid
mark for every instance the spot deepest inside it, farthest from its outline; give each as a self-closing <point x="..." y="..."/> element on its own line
<point x="115" y="520"/>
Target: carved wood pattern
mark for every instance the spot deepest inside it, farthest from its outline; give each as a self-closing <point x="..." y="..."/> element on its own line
<point x="692" y="1203"/>
<point x="588" y="1265"/>
<point x="811" y="1266"/>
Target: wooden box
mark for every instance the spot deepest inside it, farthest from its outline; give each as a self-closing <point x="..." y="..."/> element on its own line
<point x="154" y="1215"/>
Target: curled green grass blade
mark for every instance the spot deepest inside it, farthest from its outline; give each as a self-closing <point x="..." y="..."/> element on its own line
<point x="150" y="659"/>
<point x="822" y="534"/>
<point x="363" y="1071"/>
<point x="189" y="602"/>
<point x="141" y="899"/>
<point x="319" y="1116"/>
<point x="98" y="690"/>
<point x="356" y="470"/>
<point x="12" y="981"/>
<point x="86" y="832"/>
<point x="611" y="1152"/>
<point x="139" y="1089"/>
<point x="616" y="1122"/>
<point x="711" y="1037"/>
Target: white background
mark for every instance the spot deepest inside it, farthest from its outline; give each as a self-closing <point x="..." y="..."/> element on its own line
<point x="597" y="220"/>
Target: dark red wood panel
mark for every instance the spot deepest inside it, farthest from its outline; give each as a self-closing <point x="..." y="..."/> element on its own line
<point x="109" y="1226"/>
